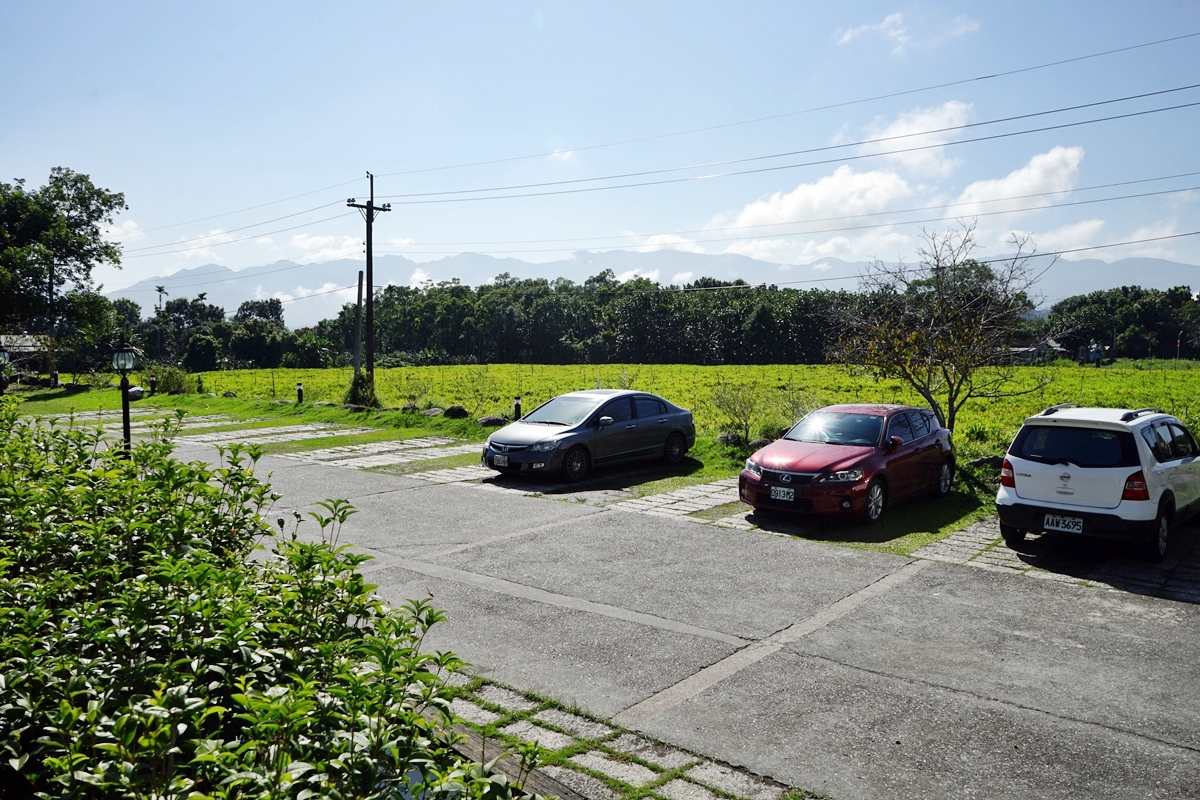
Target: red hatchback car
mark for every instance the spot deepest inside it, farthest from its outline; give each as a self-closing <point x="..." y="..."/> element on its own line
<point x="851" y="459"/>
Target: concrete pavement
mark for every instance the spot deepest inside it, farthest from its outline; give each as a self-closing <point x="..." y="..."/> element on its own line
<point x="942" y="680"/>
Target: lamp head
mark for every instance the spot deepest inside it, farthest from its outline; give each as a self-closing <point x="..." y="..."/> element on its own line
<point x="123" y="357"/>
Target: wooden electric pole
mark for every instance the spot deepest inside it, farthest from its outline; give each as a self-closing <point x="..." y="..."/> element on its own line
<point x="369" y="212"/>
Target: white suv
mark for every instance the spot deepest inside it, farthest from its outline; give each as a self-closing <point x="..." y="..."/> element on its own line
<point x="1103" y="472"/>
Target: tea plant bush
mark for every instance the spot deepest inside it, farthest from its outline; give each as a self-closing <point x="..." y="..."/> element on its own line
<point x="147" y="652"/>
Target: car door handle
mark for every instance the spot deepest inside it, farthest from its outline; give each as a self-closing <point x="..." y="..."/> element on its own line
<point x="662" y="421"/>
<point x="631" y="427"/>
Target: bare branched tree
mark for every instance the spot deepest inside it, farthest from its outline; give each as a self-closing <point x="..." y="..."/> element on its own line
<point x="944" y="326"/>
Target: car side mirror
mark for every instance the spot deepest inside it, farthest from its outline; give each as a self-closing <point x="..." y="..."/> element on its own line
<point x="783" y="432"/>
<point x="605" y="421"/>
<point x="894" y="442"/>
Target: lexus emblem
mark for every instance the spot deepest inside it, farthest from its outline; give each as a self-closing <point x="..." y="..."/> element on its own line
<point x="1066" y="476"/>
<point x="785" y="478"/>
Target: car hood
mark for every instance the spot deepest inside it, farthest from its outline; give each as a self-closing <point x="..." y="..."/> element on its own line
<point x="786" y="455"/>
<point x="525" y="433"/>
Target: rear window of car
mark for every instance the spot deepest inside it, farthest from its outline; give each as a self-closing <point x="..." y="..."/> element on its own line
<point x="649" y="407"/>
<point x="1083" y="447"/>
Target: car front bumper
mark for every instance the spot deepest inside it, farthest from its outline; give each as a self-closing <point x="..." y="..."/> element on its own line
<point x="813" y="498"/>
<point x="527" y="461"/>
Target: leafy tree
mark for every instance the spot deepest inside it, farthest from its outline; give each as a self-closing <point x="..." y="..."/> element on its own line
<point x="203" y="353"/>
<point x="270" y="310"/>
<point x="129" y="315"/>
<point x="50" y="239"/>
<point x="259" y="341"/>
<point x="942" y="327"/>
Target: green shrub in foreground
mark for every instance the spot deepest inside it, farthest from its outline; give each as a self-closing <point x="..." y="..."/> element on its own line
<point x="144" y="654"/>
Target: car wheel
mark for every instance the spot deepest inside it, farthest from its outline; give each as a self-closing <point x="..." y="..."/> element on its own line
<point x="675" y="449"/>
<point x="876" y="501"/>
<point x="1012" y="536"/>
<point x="1156" y="546"/>
<point x="945" y="479"/>
<point x="576" y="465"/>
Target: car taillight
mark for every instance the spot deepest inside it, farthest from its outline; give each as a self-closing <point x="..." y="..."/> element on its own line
<point x="1006" y="475"/>
<point x="1135" y="487"/>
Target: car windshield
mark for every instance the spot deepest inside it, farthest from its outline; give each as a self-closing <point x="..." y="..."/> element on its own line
<point x="562" y="410"/>
<point x="1083" y="447"/>
<point x="835" y="427"/>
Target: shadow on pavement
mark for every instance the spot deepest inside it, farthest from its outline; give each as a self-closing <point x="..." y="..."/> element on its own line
<point x="617" y="477"/>
<point x="1119" y="564"/>
<point x="920" y="515"/>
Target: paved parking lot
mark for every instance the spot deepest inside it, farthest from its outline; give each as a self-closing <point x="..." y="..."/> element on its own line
<point x="968" y="669"/>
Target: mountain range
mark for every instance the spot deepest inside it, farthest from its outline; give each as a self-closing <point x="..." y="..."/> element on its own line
<point x="312" y="292"/>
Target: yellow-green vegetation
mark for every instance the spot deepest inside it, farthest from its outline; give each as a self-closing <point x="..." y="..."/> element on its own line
<point x="985" y="427"/>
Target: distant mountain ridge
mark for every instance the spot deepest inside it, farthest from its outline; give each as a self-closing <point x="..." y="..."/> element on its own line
<point x="229" y="288"/>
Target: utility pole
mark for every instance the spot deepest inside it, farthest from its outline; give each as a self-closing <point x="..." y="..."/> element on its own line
<point x="358" y="327"/>
<point x="369" y="212"/>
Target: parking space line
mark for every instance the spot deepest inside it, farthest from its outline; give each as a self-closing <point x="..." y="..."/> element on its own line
<point x="639" y="713"/>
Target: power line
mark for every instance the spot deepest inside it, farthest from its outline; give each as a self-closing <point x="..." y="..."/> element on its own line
<point x="318" y="294"/>
<point x="777" y="168"/>
<point x="675" y="245"/>
<point x="690" y="131"/>
<point x="821" y="219"/>
<point x="787" y="154"/>
<point x="803" y="111"/>
<point x="231" y="230"/>
<point x="245" y="277"/>
<point x="243" y="239"/>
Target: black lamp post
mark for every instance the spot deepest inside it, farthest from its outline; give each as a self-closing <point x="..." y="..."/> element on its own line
<point x="123" y="356"/>
<point x="3" y="365"/>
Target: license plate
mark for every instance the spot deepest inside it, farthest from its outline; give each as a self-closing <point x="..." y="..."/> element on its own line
<point x="783" y="493"/>
<point x="1068" y="524"/>
<point x="499" y="461"/>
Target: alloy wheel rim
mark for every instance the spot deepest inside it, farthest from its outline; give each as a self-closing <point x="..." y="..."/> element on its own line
<point x="874" y="501"/>
<point x="1163" y="530"/>
<point x="575" y="465"/>
<point x="945" y="479"/>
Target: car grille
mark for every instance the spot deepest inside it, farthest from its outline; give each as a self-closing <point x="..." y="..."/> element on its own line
<point x="794" y="478"/>
<point x="509" y="448"/>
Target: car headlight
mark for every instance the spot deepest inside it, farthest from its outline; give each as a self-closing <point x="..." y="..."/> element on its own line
<point x="843" y="476"/>
<point x="753" y="468"/>
<point x="542" y="447"/>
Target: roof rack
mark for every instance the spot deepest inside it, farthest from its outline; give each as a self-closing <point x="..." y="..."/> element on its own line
<point x="1130" y="415"/>
<point x="1058" y="407"/>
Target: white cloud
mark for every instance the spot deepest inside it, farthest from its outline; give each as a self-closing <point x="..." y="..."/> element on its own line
<point x="562" y="156"/>
<point x="265" y="240"/>
<point x="932" y="161"/>
<point x="1068" y="237"/>
<point x="128" y="231"/>
<point x="1088" y="232"/>
<point x="300" y="291"/>
<point x="1053" y="171"/>
<point x="845" y="192"/>
<point x="682" y="277"/>
<point x="669" y="241"/>
<point x="822" y="266"/>
<point x="629" y="275"/>
<point x="892" y="28"/>
<point x="895" y="30"/>
<point x="419" y="279"/>
<point x="324" y="248"/>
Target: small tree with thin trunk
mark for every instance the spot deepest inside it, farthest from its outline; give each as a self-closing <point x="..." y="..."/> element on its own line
<point x="945" y="326"/>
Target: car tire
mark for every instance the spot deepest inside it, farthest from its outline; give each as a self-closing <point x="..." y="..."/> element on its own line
<point x="576" y="465"/>
<point x="945" y="479"/>
<point x="1012" y="536"/>
<point x="675" y="449"/>
<point x="876" y="501"/>
<point x="1155" y="548"/>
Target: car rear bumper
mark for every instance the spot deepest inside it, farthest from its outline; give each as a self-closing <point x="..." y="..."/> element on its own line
<point x="833" y="498"/>
<point x="1031" y="518"/>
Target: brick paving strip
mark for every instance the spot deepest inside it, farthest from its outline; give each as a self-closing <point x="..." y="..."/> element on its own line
<point x="591" y="759"/>
<point x="280" y="433"/>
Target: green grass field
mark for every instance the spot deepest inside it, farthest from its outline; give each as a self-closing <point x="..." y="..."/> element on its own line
<point x="985" y="426"/>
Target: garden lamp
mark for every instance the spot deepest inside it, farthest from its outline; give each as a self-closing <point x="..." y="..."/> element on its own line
<point x="122" y="359"/>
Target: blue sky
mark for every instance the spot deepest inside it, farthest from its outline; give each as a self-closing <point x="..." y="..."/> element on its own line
<point x="196" y="110"/>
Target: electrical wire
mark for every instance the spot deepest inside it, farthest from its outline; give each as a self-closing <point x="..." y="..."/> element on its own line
<point x="777" y="168"/>
<point x="797" y="113"/>
<point x="788" y="154"/>
<point x="243" y="239"/>
<point x="819" y="219"/>
<point x="231" y="230"/>
<point x="252" y="208"/>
